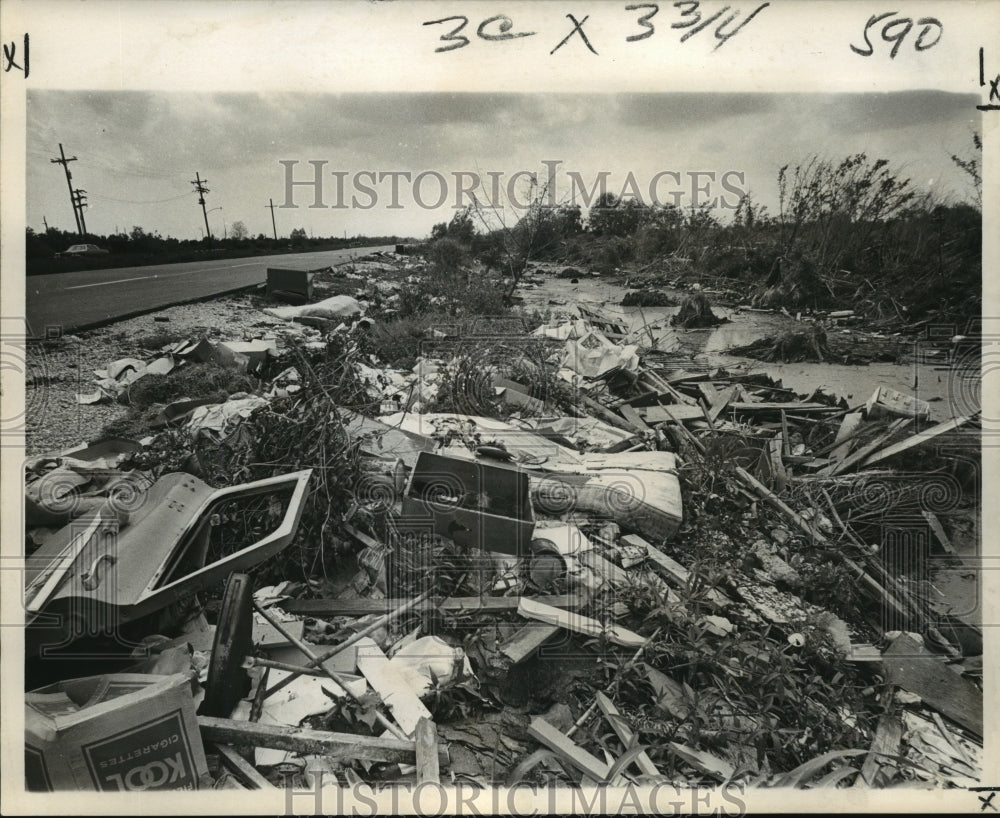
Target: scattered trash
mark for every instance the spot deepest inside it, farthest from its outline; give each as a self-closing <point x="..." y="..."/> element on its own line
<point x="546" y="545"/>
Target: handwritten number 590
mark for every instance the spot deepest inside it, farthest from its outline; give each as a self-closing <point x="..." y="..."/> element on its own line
<point x="895" y="31"/>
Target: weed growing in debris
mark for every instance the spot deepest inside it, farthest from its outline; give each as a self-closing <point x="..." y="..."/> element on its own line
<point x="196" y="380"/>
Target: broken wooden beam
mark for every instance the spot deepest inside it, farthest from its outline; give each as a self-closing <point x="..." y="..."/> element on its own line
<point x="911" y="666"/>
<point x="721" y="401"/>
<point x="395" y="691"/>
<point x="607" y="414"/>
<point x="845" y="435"/>
<point x="703" y="762"/>
<point x="938" y="530"/>
<point x="242" y="770"/>
<point x="336" y="607"/>
<point x="625" y="734"/>
<point x="318" y="660"/>
<point x="466" y="604"/>
<point x="676" y="413"/>
<point x="527" y="641"/>
<point x="807" y="408"/>
<point x="632" y="416"/>
<point x="310" y="742"/>
<point x="343" y="607"/>
<point x="578" y="623"/>
<point x="858" y="456"/>
<point x="568" y="750"/>
<point x="428" y="764"/>
<point x="884" y="749"/>
<point x="673" y="570"/>
<point x="919" y="439"/>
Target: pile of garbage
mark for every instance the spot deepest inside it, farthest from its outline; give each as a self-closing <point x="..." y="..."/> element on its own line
<point x="537" y="557"/>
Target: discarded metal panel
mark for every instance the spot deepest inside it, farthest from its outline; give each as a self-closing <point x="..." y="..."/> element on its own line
<point x="294" y="286"/>
<point x="475" y="504"/>
<point x="94" y="574"/>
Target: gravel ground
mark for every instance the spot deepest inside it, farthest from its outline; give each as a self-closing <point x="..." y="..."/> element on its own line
<point x="58" y="370"/>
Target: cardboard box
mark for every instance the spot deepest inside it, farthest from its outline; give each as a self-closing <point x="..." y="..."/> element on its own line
<point x="474" y="504"/>
<point x="115" y="733"/>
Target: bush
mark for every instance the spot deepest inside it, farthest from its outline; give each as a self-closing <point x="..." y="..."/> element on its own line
<point x="447" y="255"/>
<point x="652" y="242"/>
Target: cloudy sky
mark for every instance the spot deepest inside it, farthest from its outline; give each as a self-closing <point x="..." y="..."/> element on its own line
<point x="137" y="152"/>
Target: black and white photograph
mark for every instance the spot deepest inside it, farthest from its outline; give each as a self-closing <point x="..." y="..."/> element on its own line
<point x="498" y="408"/>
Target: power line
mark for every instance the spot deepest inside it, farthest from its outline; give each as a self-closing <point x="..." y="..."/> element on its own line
<point x="133" y="201"/>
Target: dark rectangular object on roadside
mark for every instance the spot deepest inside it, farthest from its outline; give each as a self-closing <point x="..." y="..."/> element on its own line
<point x="474" y="504"/>
<point x="295" y="286"/>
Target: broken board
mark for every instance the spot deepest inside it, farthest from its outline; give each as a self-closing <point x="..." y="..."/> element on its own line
<point x="406" y="707"/>
<point x="911" y="666"/>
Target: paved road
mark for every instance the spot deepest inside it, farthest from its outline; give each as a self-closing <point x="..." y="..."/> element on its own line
<point x="81" y="299"/>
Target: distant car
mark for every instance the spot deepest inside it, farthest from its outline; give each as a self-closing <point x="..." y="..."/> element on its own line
<point x="85" y="250"/>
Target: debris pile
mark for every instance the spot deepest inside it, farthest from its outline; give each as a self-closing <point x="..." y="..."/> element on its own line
<point x="533" y="555"/>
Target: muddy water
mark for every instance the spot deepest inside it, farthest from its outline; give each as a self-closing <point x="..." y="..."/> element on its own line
<point x="924" y="374"/>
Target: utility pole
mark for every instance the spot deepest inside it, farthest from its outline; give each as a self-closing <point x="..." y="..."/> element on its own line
<point x="199" y="185"/>
<point x="80" y="202"/>
<point x="46" y="224"/>
<point x="64" y="161"/>
<point x="274" y="227"/>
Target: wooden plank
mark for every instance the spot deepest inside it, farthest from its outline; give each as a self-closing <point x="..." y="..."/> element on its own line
<point x="848" y="426"/>
<point x="919" y="439"/>
<point x="361" y="607"/>
<point x="625" y="734"/>
<point x="704" y="762"/>
<point x="242" y="769"/>
<point x="938" y="530"/>
<point x="808" y="408"/>
<point x="775" y="448"/>
<point x="672" y="414"/>
<point x="428" y="766"/>
<point x="406" y="707"/>
<point x="721" y="402"/>
<point x="578" y="623"/>
<point x="606" y="570"/>
<point x="709" y="393"/>
<point x="888" y="736"/>
<point x="508" y="603"/>
<point x="310" y="742"/>
<point x="857" y="457"/>
<point x="671" y="569"/>
<point x="607" y="414"/>
<point x="527" y="640"/>
<point x="632" y="416"/>
<point x="591" y="766"/>
<point x="910" y="665"/>
<point x="344" y="607"/>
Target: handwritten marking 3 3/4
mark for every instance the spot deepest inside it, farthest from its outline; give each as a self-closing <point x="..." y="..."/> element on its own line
<point x="685" y="16"/>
